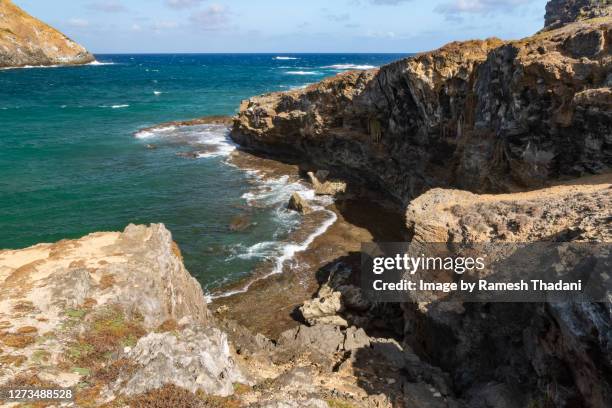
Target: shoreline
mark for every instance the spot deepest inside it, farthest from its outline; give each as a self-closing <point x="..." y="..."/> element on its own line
<point x="274" y="296"/>
<point x="333" y="232"/>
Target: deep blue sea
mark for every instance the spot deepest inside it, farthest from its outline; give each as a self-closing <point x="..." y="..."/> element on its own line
<point x="70" y="163"/>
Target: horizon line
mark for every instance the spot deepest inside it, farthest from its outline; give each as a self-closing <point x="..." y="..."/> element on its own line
<point x="255" y="53"/>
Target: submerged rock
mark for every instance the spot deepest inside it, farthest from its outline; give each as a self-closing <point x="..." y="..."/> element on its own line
<point x="240" y="223"/>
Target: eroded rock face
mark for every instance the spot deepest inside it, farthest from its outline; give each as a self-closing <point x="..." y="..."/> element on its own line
<point x="25" y="40"/>
<point x="485" y="116"/>
<point x="560" y="12"/>
<point x="492" y="349"/>
<point x="71" y="311"/>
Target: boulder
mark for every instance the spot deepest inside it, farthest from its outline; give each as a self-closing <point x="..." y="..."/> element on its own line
<point x="299" y="204"/>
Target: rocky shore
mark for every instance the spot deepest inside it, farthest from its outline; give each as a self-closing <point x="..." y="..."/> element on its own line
<point x="481" y="141"/>
<point x="27" y="41"/>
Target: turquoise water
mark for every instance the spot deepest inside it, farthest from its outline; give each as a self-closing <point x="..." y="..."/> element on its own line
<point x="70" y="164"/>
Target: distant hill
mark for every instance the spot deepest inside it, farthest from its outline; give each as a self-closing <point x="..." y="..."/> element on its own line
<point x="25" y="40"/>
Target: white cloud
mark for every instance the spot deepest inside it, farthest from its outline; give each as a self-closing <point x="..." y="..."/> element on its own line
<point x="457" y="8"/>
<point x="183" y="4"/>
<point x="212" y="18"/>
<point x="108" y="6"/>
<point x="78" y="22"/>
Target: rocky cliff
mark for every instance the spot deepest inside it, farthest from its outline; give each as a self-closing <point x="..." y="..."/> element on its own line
<point x="479" y="141"/>
<point x="487" y="116"/>
<point x="560" y="12"/>
<point x="25" y="40"/>
<point x="557" y="353"/>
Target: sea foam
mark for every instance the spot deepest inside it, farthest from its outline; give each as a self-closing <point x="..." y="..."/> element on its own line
<point x="345" y="67"/>
<point x="303" y="73"/>
<point x="276" y="192"/>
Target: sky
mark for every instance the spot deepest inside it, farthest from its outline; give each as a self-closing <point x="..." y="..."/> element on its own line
<point x="277" y="26"/>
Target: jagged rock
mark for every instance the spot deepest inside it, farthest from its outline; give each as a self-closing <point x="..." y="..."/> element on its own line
<point x="70" y="290"/>
<point x="324" y="308"/>
<point x="327" y="339"/>
<point x="334" y="298"/>
<point x="326" y="187"/>
<point x="25" y="40"/>
<point x="197" y="360"/>
<point x="561" y="12"/>
<point x="299" y="204"/>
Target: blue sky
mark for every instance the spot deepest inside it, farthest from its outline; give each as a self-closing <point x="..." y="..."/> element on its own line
<point x="132" y="26"/>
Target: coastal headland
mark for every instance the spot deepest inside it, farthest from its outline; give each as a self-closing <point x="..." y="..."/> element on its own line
<point x="477" y="142"/>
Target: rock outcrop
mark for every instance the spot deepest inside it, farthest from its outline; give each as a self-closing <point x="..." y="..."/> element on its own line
<point x="486" y="116"/>
<point x="98" y="310"/>
<point x="27" y="41"/>
<point x="558" y="353"/>
<point x="561" y="12"/>
<point x="445" y="133"/>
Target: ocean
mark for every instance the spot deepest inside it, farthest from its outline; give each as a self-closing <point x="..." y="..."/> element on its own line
<point x="74" y="161"/>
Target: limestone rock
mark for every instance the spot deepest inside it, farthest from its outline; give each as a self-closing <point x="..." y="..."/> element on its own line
<point x="197" y="360"/>
<point x="70" y="288"/>
<point x="546" y="214"/>
<point x="324" y="309"/>
<point x="299" y="204"/>
<point x="25" y="40"/>
<point x="326" y="187"/>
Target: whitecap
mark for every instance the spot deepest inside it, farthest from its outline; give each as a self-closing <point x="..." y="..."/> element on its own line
<point x="217" y="137"/>
<point x="147" y="133"/>
<point x="281" y="58"/>
<point x="344" y="67"/>
<point x="304" y="86"/>
<point x="211" y="140"/>
<point x="302" y="73"/>
<point x="157" y="92"/>
<point x="287" y="252"/>
<point x="100" y="63"/>
<point x="277" y="192"/>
